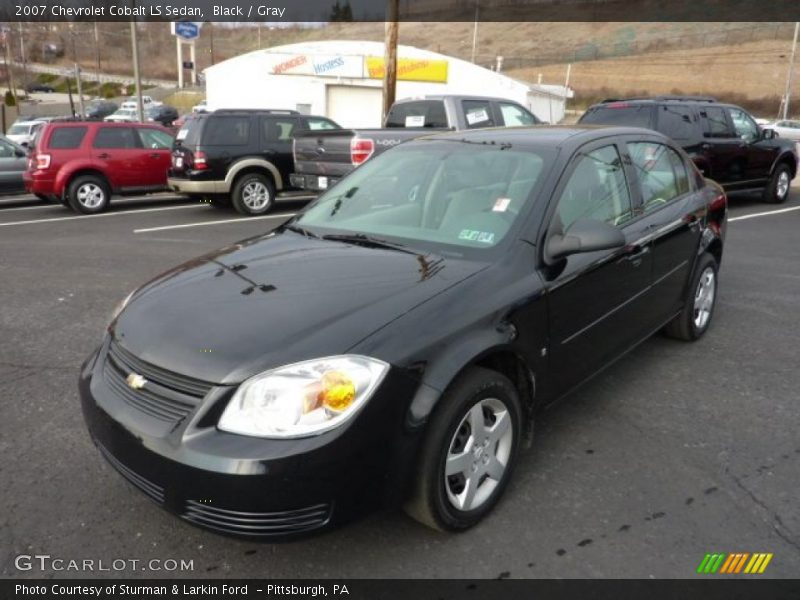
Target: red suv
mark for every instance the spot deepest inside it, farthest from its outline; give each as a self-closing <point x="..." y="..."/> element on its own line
<point x="82" y="163"/>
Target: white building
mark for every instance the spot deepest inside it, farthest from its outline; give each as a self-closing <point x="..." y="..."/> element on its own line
<point x="343" y="80"/>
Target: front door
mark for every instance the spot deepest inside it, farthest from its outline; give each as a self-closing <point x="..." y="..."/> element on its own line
<point x="595" y="300"/>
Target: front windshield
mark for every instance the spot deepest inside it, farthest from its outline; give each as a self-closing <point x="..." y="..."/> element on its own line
<point x="446" y="192"/>
<point x="18" y="129"/>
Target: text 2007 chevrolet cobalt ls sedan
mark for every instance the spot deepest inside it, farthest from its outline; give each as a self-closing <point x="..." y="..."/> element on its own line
<point x="393" y="341"/>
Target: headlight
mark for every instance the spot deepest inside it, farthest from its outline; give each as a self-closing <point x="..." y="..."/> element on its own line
<point x="303" y="399"/>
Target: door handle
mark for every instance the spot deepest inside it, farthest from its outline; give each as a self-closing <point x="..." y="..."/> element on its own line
<point x="103" y="155"/>
<point x="705" y="146"/>
<point x="636" y="255"/>
<point x="155" y="155"/>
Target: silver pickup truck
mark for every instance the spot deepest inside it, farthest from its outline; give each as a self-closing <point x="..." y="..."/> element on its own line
<point x="322" y="157"/>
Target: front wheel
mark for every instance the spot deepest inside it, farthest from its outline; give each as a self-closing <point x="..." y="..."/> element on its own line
<point x="777" y="190"/>
<point x="693" y="321"/>
<point x="88" y="194"/>
<point x="469" y="452"/>
<point x="253" y="194"/>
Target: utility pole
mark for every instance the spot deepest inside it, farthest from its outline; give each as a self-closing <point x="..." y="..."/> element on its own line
<point x="80" y="90"/>
<point x="9" y="70"/>
<point x="790" y="75"/>
<point x="475" y="31"/>
<point x="211" y="38"/>
<point x="97" y="55"/>
<point x="22" y="56"/>
<point x="136" y="75"/>
<point x="259" y="35"/>
<point x="390" y="56"/>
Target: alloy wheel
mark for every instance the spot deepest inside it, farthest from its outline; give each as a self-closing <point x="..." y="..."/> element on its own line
<point x="90" y="195"/>
<point x="255" y="195"/>
<point x="478" y="454"/>
<point x="782" y="187"/>
<point x="704" y="298"/>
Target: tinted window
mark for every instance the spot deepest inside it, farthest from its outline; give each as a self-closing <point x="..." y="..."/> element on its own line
<point x="116" y="137"/>
<point x="67" y="138"/>
<point x="425" y="113"/>
<point x="227" y="131"/>
<point x="660" y="171"/>
<point x="277" y="129"/>
<point x="619" y="113"/>
<point x="153" y="138"/>
<point x="745" y="127"/>
<point x="676" y="121"/>
<point x="515" y="115"/>
<point x="478" y="114"/>
<point x="716" y="123"/>
<point x="6" y="149"/>
<point x="596" y="189"/>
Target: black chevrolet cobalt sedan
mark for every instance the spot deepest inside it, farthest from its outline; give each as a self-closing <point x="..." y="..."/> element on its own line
<point x="393" y="342"/>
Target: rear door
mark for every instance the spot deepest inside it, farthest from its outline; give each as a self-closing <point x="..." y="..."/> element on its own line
<point x="276" y="136"/>
<point x="478" y="114"/>
<point x="120" y="154"/>
<point x="724" y="152"/>
<point x="669" y="221"/>
<point x="157" y="155"/>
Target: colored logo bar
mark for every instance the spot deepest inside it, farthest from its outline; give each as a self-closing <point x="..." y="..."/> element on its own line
<point x="735" y="563"/>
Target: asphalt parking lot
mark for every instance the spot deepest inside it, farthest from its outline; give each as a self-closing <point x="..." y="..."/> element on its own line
<point x="676" y="451"/>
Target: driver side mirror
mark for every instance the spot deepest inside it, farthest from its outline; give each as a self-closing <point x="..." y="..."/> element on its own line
<point x="768" y="134"/>
<point x="20" y="153"/>
<point x="585" y="235"/>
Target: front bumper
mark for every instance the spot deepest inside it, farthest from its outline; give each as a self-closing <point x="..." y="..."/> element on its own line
<point x="239" y="485"/>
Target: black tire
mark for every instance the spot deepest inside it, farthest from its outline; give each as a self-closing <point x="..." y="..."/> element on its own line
<point x="44" y="198"/>
<point x="253" y="194"/>
<point x="687" y="325"/>
<point x="777" y="190"/>
<point x="88" y="194"/>
<point x="430" y="502"/>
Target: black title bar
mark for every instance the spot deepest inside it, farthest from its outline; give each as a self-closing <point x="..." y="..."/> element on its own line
<point x="409" y="10"/>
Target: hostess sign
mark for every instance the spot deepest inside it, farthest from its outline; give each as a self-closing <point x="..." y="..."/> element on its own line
<point x="356" y="67"/>
<point x="322" y="65"/>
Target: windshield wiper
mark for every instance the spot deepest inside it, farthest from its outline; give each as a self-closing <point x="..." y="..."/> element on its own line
<point x="366" y="240"/>
<point x="301" y="231"/>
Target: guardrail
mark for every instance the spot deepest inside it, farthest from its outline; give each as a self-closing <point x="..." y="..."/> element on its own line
<point x="89" y="74"/>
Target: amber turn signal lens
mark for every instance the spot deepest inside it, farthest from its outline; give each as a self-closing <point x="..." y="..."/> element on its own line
<point x="338" y="391"/>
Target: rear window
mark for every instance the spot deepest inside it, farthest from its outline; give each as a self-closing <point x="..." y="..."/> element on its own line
<point x="67" y="138"/>
<point x="424" y="113"/>
<point x="629" y="115"/>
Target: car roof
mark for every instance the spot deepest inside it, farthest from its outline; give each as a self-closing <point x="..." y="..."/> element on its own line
<point x="453" y="97"/>
<point x="544" y="135"/>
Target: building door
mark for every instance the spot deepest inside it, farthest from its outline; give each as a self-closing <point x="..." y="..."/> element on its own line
<point x="354" y="106"/>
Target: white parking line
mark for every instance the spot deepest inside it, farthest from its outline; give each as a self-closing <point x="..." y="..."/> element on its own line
<point x="764" y="214"/>
<point x="109" y="214"/>
<point x="204" y="223"/>
<point x="53" y="205"/>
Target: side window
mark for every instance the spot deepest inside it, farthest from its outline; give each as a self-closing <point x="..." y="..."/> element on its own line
<point x="514" y="115"/>
<point x="153" y="138"/>
<point x="675" y="121"/>
<point x="421" y="113"/>
<point x="67" y="138"/>
<point x="6" y="149"/>
<point x="716" y="123"/>
<point x="661" y="173"/>
<point x="116" y="137"/>
<point x="745" y="127"/>
<point x="596" y="189"/>
<point x="316" y="123"/>
<point x="227" y="131"/>
<point x="277" y="129"/>
<point x="478" y="114"/>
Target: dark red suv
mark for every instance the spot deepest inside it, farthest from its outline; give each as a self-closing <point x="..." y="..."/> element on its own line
<point x="81" y="164"/>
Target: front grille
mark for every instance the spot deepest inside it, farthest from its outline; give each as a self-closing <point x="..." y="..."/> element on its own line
<point x="165" y="396"/>
<point x="273" y="523"/>
<point x="155" y="492"/>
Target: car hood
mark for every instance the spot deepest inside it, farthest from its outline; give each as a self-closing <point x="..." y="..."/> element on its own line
<point x="274" y="300"/>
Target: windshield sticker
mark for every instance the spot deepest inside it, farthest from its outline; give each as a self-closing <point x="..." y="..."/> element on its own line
<point x="501" y="204"/>
<point x="477" y="116"/>
<point x="471" y="235"/>
<point x="415" y="121"/>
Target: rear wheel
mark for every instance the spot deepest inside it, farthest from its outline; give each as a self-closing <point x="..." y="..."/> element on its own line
<point x="777" y="190"/>
<point x="253" y="194"/>
<point x="469" y="452"/>
<point x="88" y="194"/>
<point x="695" y="318"/>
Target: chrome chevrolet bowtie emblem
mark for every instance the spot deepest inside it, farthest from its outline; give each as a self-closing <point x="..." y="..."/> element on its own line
<point x="136" y="381"/>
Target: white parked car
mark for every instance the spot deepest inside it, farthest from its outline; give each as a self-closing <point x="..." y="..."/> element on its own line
<point x="147" y="102"/>
<point x="22" y="132"/>
<point x="123" y="115"/>
<point x="200" y="107"/>
<point x="788" y="129"/>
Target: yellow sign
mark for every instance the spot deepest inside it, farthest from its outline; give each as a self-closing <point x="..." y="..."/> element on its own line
<point x="409" y="69"/>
